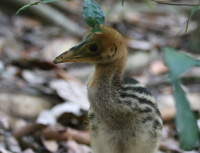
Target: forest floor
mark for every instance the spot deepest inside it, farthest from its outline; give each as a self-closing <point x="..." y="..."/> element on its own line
<point x="43" y="107"/>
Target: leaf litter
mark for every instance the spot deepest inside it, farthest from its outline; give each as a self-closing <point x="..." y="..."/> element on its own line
<point x="27" y="47"/>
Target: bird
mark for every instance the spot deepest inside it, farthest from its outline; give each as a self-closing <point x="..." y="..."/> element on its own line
<point x="123" y="115"/>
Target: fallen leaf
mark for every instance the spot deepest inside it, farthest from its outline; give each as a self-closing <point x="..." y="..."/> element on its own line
<point x="51" y="145"/>
<point x="46" y="117"/>
<point x="72" y="91"/>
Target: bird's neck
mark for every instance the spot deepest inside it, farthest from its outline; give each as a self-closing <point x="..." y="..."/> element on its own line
<point x="107" y="75"/>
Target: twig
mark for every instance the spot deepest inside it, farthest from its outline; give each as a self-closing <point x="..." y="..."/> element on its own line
<point x="61" y="133"/>
<point x="28" y="129"/>
<point x="48" y="13"/>
<point x="177" y="4"/>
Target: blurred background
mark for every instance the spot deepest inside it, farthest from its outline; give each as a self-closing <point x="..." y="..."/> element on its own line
<point x="43" y="106"/>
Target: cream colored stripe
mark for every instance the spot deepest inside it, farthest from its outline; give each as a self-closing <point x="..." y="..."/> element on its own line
<point x="140" y="95"/>
<point x="133" y="85"/>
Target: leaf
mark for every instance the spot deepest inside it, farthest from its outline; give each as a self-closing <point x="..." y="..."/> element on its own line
<point x="192" y="12"/>
<point x="178" y="62"/>
<point x="51" y="145"/>
<point x="93" y="15"/>
<point x="185" y="120"/>
<point x="46" y="117"/>
<point x="48" y="1"/>
<point x="122" y="2"/>
<point x="26" y="6"/>
<point x="36" y="3"/>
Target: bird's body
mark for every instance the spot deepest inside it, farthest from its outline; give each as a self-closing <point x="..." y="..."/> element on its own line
<point x="123" y="116"/>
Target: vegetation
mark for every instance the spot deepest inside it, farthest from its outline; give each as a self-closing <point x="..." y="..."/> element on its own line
<point x="185" y="120"/>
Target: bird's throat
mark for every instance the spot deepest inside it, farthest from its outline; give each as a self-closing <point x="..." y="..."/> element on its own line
<point x="105" y="75"/>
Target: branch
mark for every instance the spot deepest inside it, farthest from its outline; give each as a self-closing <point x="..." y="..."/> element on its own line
<point x="177" y="4"/>
<point x="48" y="13"/>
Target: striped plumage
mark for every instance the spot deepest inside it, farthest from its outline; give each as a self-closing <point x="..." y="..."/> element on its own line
<point x="123" y="117"/>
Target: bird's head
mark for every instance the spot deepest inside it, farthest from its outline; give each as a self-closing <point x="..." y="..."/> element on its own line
<point x="104" y="48"/>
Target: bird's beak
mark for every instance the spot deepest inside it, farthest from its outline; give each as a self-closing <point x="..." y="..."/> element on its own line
<point x="74" y="54"/>
<point x="67" y="56"/>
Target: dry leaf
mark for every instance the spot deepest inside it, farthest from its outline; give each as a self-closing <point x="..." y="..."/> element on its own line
<point x="56" y="47"/>
<point x="74" y="147"/>
<point x="71" y="91"/>
<point x="61" y="133"/>
<point x="3" y="150"/>
<point x="141" y="45"/>
<point x="28" y="151"/>
<point x="68" y="107"/>
<point x="13" y="144"/>
<point x="46" y="117"/>
<point x="51" y="145"/>
<point x="32" y="77"/>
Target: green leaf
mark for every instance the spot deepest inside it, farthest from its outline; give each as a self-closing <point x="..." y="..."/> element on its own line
<point x="26" y="6"/>
<point x="122" y="2"/>
<point x="177" y="62"/>
<point x="192" y="12"/>
<point x="48" y="1"/>
<point x="185" y="120"/>
<point x="94" y="17"/>
<point x="42" y="1"/>
<point x="197" y="63"/>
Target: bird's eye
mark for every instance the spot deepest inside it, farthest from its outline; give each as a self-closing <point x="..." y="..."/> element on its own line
<point x="94" y="48"/>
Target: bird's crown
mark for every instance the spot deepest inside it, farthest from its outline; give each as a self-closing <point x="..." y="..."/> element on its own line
<point x="95" y="48"/>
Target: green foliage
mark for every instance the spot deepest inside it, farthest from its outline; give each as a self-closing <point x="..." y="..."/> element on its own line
<point x="36" y="3"/>
<point x="185" y="119"/>
<point x="26" y="6"/>
<point x="192" y="13"/>
<point x="93" y="15"/>
<point x="122" y="2"/>
<point x="178" y="62"/>
<point x="91" y="12"/>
